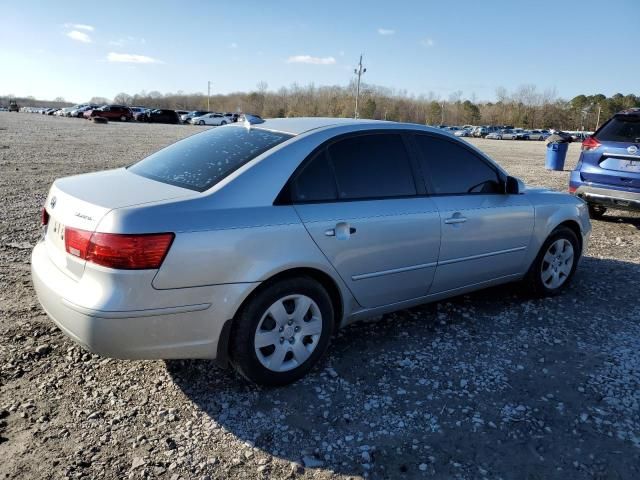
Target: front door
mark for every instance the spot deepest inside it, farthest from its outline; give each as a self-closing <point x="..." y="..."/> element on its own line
<point x="485" y="232"/>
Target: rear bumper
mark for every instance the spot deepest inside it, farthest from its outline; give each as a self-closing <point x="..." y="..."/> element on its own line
<point x="607" y="197"/>
<point x="189" y="328"/>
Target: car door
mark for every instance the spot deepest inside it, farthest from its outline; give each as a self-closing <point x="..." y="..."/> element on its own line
<point x="485" y="231"/>
<point x="358" y="199"/>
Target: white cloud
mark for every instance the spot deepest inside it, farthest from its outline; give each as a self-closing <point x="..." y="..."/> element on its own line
<point x="80" y="26"/>
<point x="233" y="45"/>
<point x="386" y="31"/>
<point x="130" y="58"/>
<point x="427" y="42"/>
<point x="311" y="60"/>
<point x="79" y="36"/>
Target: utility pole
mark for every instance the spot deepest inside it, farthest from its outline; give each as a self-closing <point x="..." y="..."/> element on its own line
<point x="208" y="95"/>
<point x="358" y="71"/>
<point x="598" y="119"/>
<point x="442" y="105"/>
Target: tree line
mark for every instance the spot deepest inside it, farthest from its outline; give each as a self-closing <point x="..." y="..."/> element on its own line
<point x="525" y="106"/>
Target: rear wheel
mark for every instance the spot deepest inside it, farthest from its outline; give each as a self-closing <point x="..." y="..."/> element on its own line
<point x="123" y="118"/>
<point x="282" y="331"/>
<point x="596" y="211"/>
<point x="553" y="268"/>
<point x="201" y="122"/>
<point x="223" y="123"/>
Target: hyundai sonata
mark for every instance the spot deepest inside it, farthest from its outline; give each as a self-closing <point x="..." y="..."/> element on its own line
<point x="253" y="244"/>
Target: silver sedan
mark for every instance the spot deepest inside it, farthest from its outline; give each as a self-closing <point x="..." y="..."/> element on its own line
<point x="253" y="244"/>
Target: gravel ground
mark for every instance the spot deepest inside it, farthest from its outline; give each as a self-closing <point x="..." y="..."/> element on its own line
<point x="492" y="384"/>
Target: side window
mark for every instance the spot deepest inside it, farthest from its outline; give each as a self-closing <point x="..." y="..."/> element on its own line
<point x="455" y="169"/>
<point x="372" y="166"/>
<point x="315" y="183"/>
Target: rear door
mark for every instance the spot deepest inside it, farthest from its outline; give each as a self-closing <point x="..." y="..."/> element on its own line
<point x="359" y="201"/>
<point x="485" y="232"/>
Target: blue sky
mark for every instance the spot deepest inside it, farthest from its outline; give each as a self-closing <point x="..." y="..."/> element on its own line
<point x="79" y="49"/>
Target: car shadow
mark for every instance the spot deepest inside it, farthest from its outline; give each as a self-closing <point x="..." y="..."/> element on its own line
<point x="622" y="217"/>
<point x="425" y="390"/>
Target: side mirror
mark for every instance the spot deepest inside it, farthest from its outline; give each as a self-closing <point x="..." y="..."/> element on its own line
<point x="514" y="186"/>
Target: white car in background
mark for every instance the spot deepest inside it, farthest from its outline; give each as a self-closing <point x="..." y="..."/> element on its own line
<point x="211" y="119"/>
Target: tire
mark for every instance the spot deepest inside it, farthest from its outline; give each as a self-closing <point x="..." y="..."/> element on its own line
<point x="123" y="118"/>
<point x="293" y="301"/>
<point x="596" y="211"/>
<point x="223" y="123"/>
<point x="201" y="122"/>
<point x="541" y="278"/>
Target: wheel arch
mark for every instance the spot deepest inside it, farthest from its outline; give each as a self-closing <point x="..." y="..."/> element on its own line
<point x="323" y="278"/>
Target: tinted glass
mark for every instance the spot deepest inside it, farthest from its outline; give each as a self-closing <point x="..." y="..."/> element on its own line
<point x="372" y="166"/>
<point x="621" y="129"/>
<point x="201" y="161"/>
<point x="315" y="182"/>
<point x="455" y="169"/>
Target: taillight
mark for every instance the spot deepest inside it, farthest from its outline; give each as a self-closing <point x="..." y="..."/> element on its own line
<point x="590" y="143"/>
<point x="572" y="189"/>
<point x="122" y="251"/>
<point x="44" y="217"/>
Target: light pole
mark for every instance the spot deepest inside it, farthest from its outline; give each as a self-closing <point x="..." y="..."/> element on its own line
<point x="208" y="94"/>
<point x="358" y="71"/>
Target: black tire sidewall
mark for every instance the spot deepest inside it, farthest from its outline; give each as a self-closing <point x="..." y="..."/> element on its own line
<point x="242" y="352"/>
<point x="535" y="278"/>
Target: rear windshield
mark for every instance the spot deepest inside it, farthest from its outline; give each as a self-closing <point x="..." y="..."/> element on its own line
<point x="201" y="161"/>
<point x="620" y="129"/>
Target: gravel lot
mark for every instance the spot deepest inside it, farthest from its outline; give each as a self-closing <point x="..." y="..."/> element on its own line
<point x="493" y="384"/>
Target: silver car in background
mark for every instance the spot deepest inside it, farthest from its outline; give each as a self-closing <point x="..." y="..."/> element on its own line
<point x="253" y="244"/>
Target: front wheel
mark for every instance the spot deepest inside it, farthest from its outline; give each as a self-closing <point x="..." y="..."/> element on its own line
<point x="553" y="268"/>
<point x="281" y="333"/>
<point x="123" y="118"/>
<point x="201" y="122"/>
<point x="223" y="123"/>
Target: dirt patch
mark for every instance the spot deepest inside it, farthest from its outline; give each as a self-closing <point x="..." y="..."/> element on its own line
<point x="492" y="384"/>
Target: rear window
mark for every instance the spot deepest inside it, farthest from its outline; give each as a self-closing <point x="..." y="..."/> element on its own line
<point x="201" y="161"/>
<point x="620" y="129"/>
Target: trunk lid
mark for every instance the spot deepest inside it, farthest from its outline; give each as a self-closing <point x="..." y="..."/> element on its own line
<point x="82" y="201"/>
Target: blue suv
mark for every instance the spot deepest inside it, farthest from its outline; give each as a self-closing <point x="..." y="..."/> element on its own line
<point x="608" y="172"/>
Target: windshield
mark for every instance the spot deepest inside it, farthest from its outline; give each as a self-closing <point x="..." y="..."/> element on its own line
<point x="201" y="161"/>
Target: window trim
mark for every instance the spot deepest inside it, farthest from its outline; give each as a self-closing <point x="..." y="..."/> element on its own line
<point x="428" y="179"/>
<point x="285" y="197"/>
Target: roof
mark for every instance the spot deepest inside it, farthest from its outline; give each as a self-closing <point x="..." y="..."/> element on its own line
<point x="296" y="126"/>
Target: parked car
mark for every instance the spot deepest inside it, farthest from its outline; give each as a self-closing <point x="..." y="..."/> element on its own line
<point x="496" y="135"/>
<point x="158" y="115"/>
<point x="187" y="118"/>
<point x="13" y="106"/>
<point x="255" y="243"/>
<point x="509" y="134"/>
<point x="537" y="135"/>
<point x="79" y="112"/>
<point x="462" y="133"/>
<point x="136" y="110"/>
<point x="231" y="117"/>
<point x="110" y="112"/>
<point x="211" y="119"/>
<point x="608" y="171"/>
<point x="181" y="112"/>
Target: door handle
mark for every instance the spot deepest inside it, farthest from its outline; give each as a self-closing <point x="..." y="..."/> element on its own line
<point x="342" y="231"/>
<point x="455" y="218"/>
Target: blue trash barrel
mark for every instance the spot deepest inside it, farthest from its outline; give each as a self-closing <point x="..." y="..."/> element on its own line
<point x="556" y="155"/>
